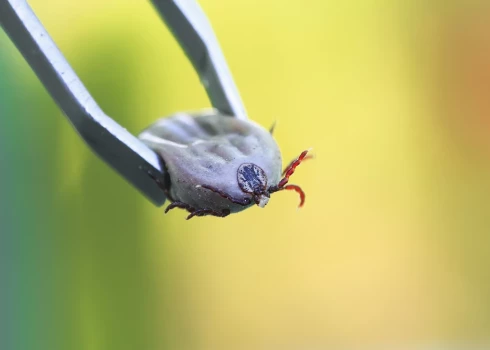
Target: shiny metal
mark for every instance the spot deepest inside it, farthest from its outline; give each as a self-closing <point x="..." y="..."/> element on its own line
<point x="114" y="144"/>
<point x="189" y="24"/>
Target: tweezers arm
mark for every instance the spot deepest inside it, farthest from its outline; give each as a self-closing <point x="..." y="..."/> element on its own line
<point x="193" y="31"/>
<point x="114" y="144"/>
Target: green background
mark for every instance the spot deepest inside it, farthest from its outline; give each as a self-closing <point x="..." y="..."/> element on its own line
<point x="392" y="246"/>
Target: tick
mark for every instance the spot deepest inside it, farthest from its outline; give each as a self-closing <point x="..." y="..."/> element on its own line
<point x="217" y="165"/>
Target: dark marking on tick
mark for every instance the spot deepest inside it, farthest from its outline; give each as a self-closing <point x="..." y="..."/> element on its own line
<point x="251" y="178"/>
<point x="241" y="201"/>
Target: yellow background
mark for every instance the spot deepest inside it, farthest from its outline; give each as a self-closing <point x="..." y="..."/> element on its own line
<point x="392" y="246"/>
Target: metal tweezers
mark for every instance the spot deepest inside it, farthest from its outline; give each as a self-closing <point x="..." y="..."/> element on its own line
<point x="114" y="144"/>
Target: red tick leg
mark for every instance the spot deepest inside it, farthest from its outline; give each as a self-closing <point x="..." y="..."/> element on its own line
<point x="299" y="191"/>
<point x="309" y="156"/>
<point x="290" y="169"/>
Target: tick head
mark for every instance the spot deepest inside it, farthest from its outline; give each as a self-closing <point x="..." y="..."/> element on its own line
<point x="253" y="180"/>
<point x="261" y="199"/>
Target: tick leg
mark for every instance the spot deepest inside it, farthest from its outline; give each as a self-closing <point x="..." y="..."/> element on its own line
<point x="309" y="156"/>
<point x="196" y="212"/>
<point x="296" y="188"/>
<point x="244" y="202"/>
<point x="290" y="169"/>
<point x="271" y="129"/>
<point x="181" y="205"/>
<point x="299" y="191"/>
<point x="204" y="212"/>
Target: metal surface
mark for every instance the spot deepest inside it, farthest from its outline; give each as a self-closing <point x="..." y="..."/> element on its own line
<point x="114" y="144"/>
<point x="192" y="29"/>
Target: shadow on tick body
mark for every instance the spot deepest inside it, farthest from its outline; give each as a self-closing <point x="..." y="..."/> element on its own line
<point x="218" y="165"/>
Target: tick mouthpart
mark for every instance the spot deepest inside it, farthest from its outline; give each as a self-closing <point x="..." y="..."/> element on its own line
<point x="261" y="200"/>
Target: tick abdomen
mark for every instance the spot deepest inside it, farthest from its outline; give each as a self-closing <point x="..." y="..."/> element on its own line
<point x="208" y="150"/>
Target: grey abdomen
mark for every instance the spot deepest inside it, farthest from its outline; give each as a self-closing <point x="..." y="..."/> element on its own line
<point x="207" y="150"/>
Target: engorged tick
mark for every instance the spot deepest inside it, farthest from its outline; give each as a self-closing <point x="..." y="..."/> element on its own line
<point x="217" y="165"/>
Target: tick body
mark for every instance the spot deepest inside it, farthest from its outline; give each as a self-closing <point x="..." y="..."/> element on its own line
<point x="218" y="165"/>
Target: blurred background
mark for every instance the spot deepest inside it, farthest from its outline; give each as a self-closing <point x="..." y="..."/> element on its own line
<point x="391" y="248"/>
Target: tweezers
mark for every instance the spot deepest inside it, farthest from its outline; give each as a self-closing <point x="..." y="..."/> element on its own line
<point x="110" y="141"/>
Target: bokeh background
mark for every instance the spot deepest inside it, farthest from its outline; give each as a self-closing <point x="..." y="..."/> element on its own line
<point x="391" y="248"/>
